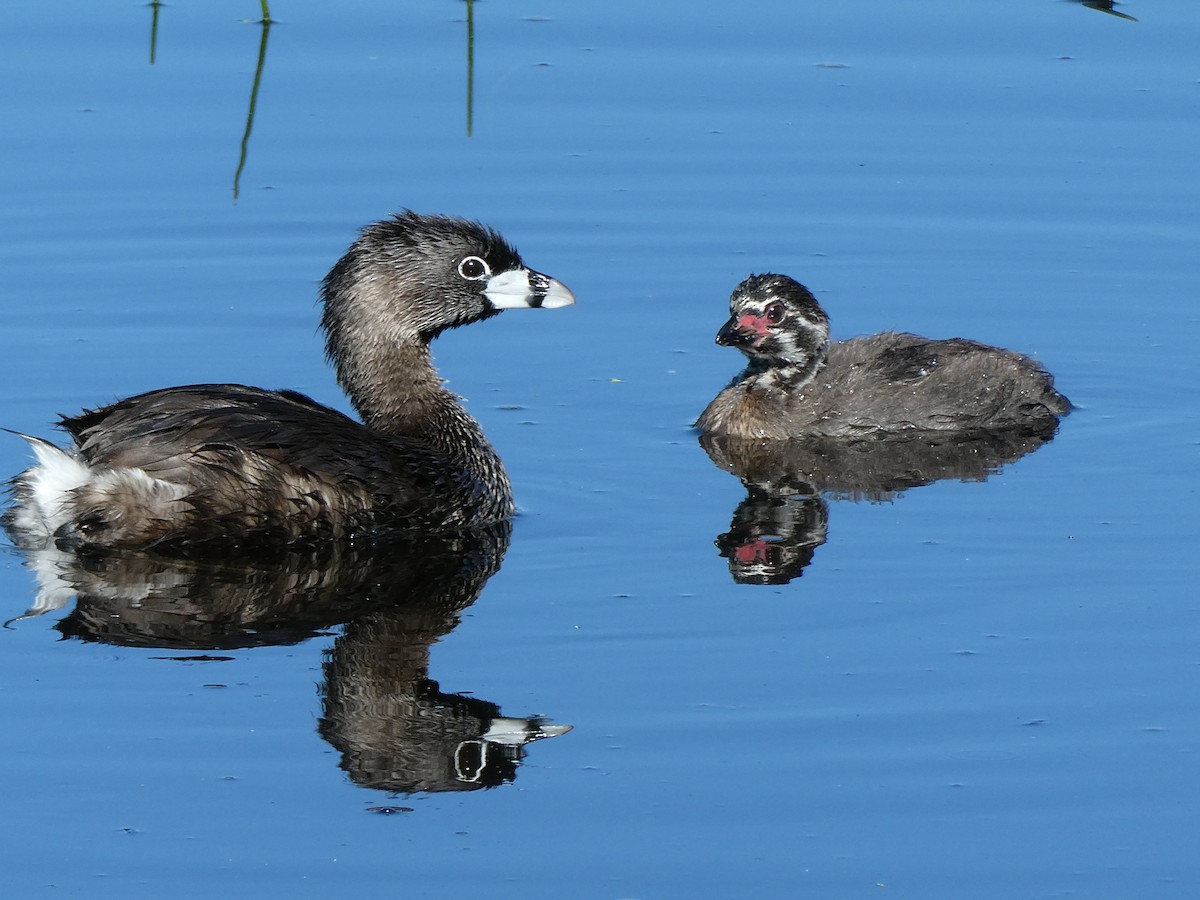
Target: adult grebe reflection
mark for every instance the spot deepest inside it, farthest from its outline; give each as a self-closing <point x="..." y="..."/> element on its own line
<point x="394" y="596"/>
<point x="396" y="729"/>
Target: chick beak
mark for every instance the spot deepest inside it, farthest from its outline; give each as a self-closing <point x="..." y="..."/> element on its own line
<point x="740" y="332"/>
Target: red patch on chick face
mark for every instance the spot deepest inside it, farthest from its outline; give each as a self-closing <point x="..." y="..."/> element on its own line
<point x="756" y="324"/>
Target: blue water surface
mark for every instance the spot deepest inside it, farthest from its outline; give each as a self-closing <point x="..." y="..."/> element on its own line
<point x="974" y="689"/>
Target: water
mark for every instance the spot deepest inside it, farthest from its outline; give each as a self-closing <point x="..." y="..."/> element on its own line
<point x="973" y="689"/>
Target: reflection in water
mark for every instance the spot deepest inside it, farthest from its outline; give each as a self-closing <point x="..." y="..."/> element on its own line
<point x="395" y="596"/>
<point x="258" y="70"/>
<point x="771" y="539"/>
<point x="155" y="5"/>
<point x="266" y="22"/>
<point x="470" y="66"/>
<point x="1105" y="6"/>
<point x="784" y="518"/>
<point x="396" y="729"/>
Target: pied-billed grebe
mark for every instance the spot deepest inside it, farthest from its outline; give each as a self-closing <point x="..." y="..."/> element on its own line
<point x="798" y="384"/>
<point x="221" y="465"/>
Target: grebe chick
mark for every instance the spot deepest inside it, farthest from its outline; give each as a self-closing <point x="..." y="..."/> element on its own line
<point x="798" y="384"/>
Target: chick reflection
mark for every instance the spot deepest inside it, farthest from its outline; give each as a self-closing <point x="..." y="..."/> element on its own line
<point x="772" y="539"/>
<point x="784" y="518"/>
<point x="395" y="597"/>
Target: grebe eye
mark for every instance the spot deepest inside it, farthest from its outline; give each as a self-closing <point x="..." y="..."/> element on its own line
<point x="473" y="268"/>
<point x="774" y="313"/>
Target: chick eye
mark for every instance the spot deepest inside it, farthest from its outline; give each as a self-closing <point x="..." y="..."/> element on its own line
<point x="473" y="268"/>
<point x="774" y="313"/>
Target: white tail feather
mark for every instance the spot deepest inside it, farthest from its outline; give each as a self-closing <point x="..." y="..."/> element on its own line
<point x="44" y="491"/>
<point x="61" y="487"/>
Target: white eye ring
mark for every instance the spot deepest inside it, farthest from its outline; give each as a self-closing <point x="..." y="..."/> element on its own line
<point x="472" y="268"/>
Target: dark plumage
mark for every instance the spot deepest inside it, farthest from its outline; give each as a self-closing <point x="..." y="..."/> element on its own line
<point x="798" y="384"/>
<point x="228" y="465"/>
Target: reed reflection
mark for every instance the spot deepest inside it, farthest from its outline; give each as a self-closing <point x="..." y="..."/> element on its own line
<point x="785" y="517"/>
<point x="265" y="24"/>
<point x="1106" y="6"/>
<point x="395" y="596"/>
<point x="258" y="73"/>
